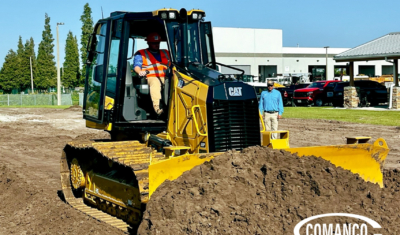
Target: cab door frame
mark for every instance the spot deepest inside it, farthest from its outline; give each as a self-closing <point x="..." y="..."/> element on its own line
<point x="98" y="76"/>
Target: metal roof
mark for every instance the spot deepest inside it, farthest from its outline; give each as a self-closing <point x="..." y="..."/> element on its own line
<point x="386" y="46"/>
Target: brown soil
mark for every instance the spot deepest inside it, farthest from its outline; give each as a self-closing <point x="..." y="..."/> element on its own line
<point x="265" y="191"/>
<point x="31" y="141"/>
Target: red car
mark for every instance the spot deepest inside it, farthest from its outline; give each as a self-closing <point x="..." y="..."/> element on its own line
<point x="317" y="93"/>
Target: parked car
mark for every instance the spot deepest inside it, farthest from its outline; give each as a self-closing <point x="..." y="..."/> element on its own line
<point x="371" y="93"/>
<point x="287" y="92"/>
<point x="317" y="93"/>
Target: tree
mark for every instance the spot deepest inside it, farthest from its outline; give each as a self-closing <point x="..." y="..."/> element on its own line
<point x="25" y="58"/>
<point x="20" y="52"/>
<point x="46" y="69"/>
<point x="71" y="65"/>
<point x="9" y="71"/>
<point x="87" y="29"/>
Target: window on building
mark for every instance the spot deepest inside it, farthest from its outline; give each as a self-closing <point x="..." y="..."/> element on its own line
<point x="387" y="69"/>
<point x="368" y="70"/>
<point x="267" y="71"/>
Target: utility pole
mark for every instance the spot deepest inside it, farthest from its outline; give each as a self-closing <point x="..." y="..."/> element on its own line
<point x="30" y="61"/>
<point x="58" y="70"/>
<point x="326" y="69"/>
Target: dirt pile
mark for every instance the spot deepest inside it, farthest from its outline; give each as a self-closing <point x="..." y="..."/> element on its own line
<point x="265" y="191"/>
<point x="27" y="209"/>
<point x="74" y="108"/>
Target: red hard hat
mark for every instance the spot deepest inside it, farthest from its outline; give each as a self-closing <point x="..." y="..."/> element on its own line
<point x="153" y="37"/>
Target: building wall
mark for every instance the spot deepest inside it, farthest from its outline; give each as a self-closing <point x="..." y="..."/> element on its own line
<point x="260" y="47"/>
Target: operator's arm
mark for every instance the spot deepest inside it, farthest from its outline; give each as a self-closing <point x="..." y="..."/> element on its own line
<point x="137" y="65"/>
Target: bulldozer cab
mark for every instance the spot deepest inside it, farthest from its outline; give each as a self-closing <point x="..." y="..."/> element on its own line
<point x="114" y="93"/>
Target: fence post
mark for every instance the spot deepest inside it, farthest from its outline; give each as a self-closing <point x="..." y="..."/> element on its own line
<point x="8" y="100"/>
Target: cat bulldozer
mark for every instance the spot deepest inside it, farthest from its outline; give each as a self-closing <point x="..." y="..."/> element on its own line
<point x="206" y="113"/>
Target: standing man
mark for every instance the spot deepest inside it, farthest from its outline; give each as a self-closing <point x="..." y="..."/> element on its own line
<point x="271" y="108"/>
<point x="156" y="62"/>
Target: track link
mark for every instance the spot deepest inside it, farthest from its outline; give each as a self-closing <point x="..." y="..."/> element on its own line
<point x="130" y="154"/>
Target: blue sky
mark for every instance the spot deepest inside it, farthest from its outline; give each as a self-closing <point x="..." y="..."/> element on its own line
<point x="309" y="23"/>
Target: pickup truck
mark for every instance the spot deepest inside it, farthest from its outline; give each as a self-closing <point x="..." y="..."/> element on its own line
<point x="317" y="93"/>
<point x="287" y="92"/>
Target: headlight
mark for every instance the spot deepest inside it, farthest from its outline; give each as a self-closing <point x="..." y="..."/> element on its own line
<point x="164" y="15"/>
<point x="309" y="93"/>
<point x="172" y="15"/>
<point x="195" y="16"/>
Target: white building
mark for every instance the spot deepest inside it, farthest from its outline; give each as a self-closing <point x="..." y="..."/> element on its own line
<point x="260" y="52"/>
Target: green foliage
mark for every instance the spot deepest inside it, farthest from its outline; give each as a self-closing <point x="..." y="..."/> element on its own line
<point x="87" y="29"/>
<point x="9" y="72"/>
<point x="46" y="69"/>
<point x="16" y="71"/>
<point x="71" y="75"/>
<point x="25" y="58"/>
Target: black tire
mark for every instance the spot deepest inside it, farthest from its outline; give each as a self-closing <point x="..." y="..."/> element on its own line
<point x="374" y="103"/>
<point x="337" y="104"/>
<point x="318" y="102"/>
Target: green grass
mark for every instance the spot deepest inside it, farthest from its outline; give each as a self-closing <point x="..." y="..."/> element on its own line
<point x="387" y="118"/>
<point x="38" y="106"/>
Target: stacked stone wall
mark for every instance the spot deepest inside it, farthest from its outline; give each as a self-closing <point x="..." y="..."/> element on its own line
<point x="396" y="98"/>
<point x="351" y="99"/>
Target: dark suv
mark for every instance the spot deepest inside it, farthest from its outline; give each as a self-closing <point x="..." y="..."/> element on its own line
<point x="371" y="93"/>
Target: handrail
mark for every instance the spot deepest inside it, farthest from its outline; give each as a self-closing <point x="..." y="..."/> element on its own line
<point x="195" y="120"/>
<point x="262" y="121"/>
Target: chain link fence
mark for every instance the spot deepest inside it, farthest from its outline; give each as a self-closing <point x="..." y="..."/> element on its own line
<point x="33" y="100"/>
<point x="81" y="99"/>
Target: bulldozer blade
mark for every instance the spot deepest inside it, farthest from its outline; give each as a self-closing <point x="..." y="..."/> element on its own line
<point x="367" y="160"/>
<point x="172" y="168"/>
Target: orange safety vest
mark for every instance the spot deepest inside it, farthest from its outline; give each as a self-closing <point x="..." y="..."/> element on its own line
<point x="156" y="68"/>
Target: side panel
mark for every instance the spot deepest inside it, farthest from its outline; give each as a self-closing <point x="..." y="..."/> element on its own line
<point x="188" y="109"/>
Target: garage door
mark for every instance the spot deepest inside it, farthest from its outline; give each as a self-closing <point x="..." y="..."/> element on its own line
<point x="246" y="68"/>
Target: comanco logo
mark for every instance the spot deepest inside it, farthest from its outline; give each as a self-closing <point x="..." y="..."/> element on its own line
<point x="235" y="91"/>
<point x="330" y="229"/>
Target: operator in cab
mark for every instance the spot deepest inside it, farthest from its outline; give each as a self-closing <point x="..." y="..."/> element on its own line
<point x="271" y="108"/>
<point x="155" y="62"/>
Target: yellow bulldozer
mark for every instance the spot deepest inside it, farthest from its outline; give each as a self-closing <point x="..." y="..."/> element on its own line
<point x="206" y="114"/>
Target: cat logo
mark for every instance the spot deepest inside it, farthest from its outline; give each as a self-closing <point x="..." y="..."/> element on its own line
<point x="235" y="91"/>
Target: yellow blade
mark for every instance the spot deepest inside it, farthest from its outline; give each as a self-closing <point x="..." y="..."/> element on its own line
<point x="364" y="159"/>
<point x="172" y="168"/>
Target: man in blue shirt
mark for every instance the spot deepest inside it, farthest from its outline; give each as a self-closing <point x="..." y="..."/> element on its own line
<point x="271" y="108"/>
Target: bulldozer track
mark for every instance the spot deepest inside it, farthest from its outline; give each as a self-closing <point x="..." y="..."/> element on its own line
<point x="130" y="154"/>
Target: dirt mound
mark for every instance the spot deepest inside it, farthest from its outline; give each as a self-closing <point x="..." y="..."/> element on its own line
<point x="93" y="136"/>
<point x="74" y="108"/>
<point x="265" y="191"/>
<point x="27" y="209"/>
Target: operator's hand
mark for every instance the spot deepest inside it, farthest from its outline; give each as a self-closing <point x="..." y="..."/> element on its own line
<point x="279" y="116"/>
<point x="142" y="73"/>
